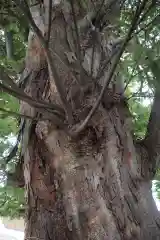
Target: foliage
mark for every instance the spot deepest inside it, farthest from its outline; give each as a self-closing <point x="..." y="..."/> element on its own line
<point x="11" y="198"/>
<point x="11" y="202"/>
<point x="140" y="114"/>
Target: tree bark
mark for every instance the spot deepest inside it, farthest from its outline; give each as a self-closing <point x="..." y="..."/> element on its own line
<point x="9" y="44"/>
<point x="96" y="185"/>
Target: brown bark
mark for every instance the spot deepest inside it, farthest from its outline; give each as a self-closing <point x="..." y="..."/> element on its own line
<point x="94" y="186"/>
<point x="152" y="139"/>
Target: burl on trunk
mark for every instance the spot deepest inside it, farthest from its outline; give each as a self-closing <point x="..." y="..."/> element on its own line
<point x="82" y="182"/>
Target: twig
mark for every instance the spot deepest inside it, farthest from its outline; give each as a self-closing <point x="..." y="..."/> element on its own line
<point x="122" y="4"/>
<point x="93" y="53"/>
<point x="112" y="70"/>
<point x="8" y="81"/>
<point x="76" y="30"/>
<point x="77" y="41"/>
<point x="106" y="9"/>
<point x="138" y="12"/>
<point x="55" y="115"/>
<point x="92" y="61"/>
<point x="146" y="12"/>
<point x="49" y="20"/>
<point x="99" y="11"/>
<point x="12" y="113"/>
<point x="136" y="95"/>
<point x="94" y="6"/>
<point x="86" y="21"/>
<point x="24" y="97"/>
<point x="130" y="79"/>
<point x="34" y="4"/>
<point x="52" y="118"/>
<point x="157" y="17"/>
<point x="106" y="63"/>
<point x="80" y="5"/>
<point x="132" y="76"/>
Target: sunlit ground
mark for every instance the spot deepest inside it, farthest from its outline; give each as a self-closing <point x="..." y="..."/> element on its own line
<point x="6" y="233"/>
<point x="157" y="202"/>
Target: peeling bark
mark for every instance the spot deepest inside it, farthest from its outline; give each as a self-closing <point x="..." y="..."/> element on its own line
<point x="94" y="186"/>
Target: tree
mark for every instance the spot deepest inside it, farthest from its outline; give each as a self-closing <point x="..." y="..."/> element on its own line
<point x="86" y="175"/>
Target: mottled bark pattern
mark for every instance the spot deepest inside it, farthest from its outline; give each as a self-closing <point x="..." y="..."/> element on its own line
<point x="96" y="186"/>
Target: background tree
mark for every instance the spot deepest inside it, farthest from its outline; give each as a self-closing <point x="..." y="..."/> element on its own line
<point x="88" y="67"/>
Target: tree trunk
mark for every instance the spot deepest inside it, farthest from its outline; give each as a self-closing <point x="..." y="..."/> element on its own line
<point x="96" y="185"/>
<point x="9" y="44"/>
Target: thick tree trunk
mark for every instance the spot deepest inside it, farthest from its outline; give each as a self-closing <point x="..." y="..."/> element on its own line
<point x="96" y="185"/>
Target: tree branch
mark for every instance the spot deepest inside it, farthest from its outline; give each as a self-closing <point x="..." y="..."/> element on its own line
<point x="86" y="21"/>
<point x="152" y="139"/>
<point x="99" y="10"/>
<point x="50" y="112"/>
<point x="49" y="20"/>
<point x="55" y="109"/>
<point x="76" y="31"/>
<point x="139" y="92"/>
<point x="152" y="4"/>
<point x="26" y="11"/>
<point x="6" y="79"/>
<point x="11" y="88"/>
<point x="101" y="70"/>
<point x="15" y="114"/>
<point x="138" y="12"/>
<point x="112" y="70"/>
<point x="93" y="54"/>
<point x="145" y="28"/>
<point x="143" y="95"/>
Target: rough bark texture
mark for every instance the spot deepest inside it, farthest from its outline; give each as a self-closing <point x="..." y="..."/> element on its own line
<point x="96" y="186"/>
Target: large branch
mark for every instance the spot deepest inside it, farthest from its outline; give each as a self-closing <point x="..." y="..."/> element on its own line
<point x="152" y="139"/>
<point x="108" y="79"/>
<point x="50" y="111"/>
<point x="9" y="86"/>
<point x="26" y="11"/>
